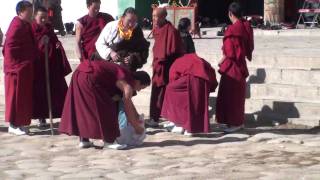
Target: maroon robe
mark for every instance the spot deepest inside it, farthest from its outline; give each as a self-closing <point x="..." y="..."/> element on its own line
<point x="20" y="51"/>
<point x="186" y="99"/>
<point x="92" y="27"/>
<point x="90" y="110"/>
<point x="59" y="67"/>
<point x="167" y="47"/>
<point x="237" y="46"/>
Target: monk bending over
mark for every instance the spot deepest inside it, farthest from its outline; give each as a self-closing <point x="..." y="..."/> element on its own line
<point x="91" y="106"/>
<point x="186" y="101"/>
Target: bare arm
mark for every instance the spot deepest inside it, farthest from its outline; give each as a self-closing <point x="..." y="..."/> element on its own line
<point x="78" y="40"/>
<point x="129" y="108"/>
<point x="125" y="88"/>
<point x="132" y="116"/>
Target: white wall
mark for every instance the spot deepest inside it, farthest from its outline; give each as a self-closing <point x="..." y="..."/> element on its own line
<point x="72" y="10"/>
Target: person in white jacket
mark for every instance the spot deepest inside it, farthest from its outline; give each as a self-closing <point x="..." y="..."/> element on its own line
<point x="122" y="41"/>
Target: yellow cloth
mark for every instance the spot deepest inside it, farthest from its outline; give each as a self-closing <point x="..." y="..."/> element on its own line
<point x="124" y="34"/>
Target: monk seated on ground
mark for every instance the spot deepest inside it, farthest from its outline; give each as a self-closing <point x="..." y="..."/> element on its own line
<point x="186" y="100"/>
<point x="91" y="106"/>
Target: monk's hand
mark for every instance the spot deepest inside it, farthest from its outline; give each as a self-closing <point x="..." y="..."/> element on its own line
<point x="114" y="56"/>
<point x="44" y="40"/>
<point x="58" y="44"/>
<point x="127" y="60"/>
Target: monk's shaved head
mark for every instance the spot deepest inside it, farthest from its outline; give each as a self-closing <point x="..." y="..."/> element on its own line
<point x="159" y="16"/>
<point x="161" y="12"/>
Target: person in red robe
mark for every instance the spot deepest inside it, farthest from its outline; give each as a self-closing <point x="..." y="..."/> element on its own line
<point x="1" y="37"/>
<point x="186" y="101"/>
<point x="89" y="28"/>
<point x="59" y="67"/>
<point x="20" y="52"/>
<point x="91" y="105"/>
<point x="167" y="47"/>
<point x="237" y="46"/>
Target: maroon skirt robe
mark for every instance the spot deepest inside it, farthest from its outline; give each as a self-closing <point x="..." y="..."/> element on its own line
<point x="186" y="100"/>
<point x="19" y="54"/>
<point x="89" y="109"/>
<point x="238" y="45"/>
<point x="167" y="47"/>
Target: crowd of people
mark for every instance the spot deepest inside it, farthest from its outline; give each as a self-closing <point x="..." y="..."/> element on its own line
<point x="98" y="102"/>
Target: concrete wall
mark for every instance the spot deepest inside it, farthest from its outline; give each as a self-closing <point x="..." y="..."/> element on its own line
<point x="72" y="10"/>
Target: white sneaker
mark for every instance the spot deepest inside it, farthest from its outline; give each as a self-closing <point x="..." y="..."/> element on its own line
<point x="85" y="144"/>
<point x="152" y="123"/>
<point x="178" y="130"/>
<point x="233" y="129"/>
<point x="186" y="133"/>
<point x="169" y="125"/>
<point x="115" y="146"/>
<point x="17" y="131"/>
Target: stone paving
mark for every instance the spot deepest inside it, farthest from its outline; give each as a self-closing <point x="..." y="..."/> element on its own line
<point x="285" y="152"/>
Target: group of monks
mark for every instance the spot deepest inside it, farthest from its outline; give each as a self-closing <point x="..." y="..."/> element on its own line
<point x="98" y="102"/>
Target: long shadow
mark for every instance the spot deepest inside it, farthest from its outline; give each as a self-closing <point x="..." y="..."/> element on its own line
<point x="278" y="114"/>
<point x="259" y="78"/>
<point x="282" y="131"/>
<point x="167" y="143"/>
<point x="269" y="115"/>
<point x="43" y="131"/>
<point x="204" y="38"/>
<point x="3" y="129"/>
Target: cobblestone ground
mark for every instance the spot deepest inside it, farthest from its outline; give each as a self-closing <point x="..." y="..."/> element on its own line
<point x="281" y="152"/>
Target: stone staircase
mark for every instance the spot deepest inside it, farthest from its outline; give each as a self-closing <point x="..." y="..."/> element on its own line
<point x="284" y="82"/>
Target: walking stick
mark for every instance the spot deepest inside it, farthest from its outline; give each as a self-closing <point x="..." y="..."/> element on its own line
<point x="46" y="41"/>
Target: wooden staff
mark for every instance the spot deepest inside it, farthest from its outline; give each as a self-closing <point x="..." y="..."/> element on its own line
<point x="46" y="42"/>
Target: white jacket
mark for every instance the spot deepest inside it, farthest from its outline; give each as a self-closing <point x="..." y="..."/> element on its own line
<point x="109" y="33"/>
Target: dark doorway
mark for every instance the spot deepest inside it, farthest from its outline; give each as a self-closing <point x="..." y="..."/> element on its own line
<point x="217" y="10"/>
<point x="291" y="10"/>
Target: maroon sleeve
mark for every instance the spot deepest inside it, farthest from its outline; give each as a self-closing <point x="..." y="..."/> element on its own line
<point x="12" y="44"/>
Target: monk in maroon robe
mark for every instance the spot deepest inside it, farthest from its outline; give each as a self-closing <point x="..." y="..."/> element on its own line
<point x="59" y="67"/>
<point x="186" y="101"/>
<point x="237" y="46"/>
<point x="20" y="52"/>
<point x="167" y="47"/>
<point x="91" y="106"/>
<point x="89" y="28"/>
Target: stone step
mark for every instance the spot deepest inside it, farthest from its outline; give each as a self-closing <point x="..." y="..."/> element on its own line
<point x="284" y="76"/>
<point x="272" y="61"/>
<point x="312" y="122"/>
<point x="288" y="109"/>
<point x="291" y="58"/>
<point x="259" y="61"/>
<point x="266" y="117"/>
<point x="286" y="93"/>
